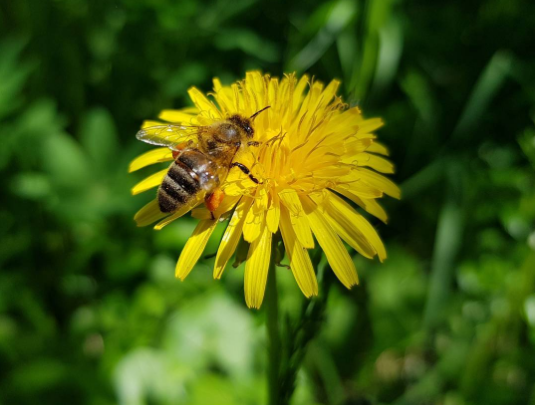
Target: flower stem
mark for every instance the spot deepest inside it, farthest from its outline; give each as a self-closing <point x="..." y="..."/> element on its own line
<point x="274" y="339"/>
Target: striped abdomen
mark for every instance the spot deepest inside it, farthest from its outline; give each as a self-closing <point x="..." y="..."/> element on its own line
<point x="178" y="187"/>
<point x="192" y="172"/>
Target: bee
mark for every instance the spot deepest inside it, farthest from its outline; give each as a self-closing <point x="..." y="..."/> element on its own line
<point x="203" y="157"/>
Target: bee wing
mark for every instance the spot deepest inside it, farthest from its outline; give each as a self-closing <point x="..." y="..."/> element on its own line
<point x="169" y="135"/>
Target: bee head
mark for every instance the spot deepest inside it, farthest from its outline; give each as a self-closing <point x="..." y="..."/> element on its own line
<point x="244" y="124"/>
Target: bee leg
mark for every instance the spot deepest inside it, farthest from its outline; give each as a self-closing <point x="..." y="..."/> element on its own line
<point x="213" y="200"/>
<point x="253" y="143"/>
<point x="244" y="169"/>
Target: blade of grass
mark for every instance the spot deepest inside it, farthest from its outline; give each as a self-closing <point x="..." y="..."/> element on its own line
<point x="325" y="366"/>
<point x="486" y="88"/>
<point x="376" y="15"/>
<point x="447" y="244"/>
<point x="340" y="16"/>
<point x="390" y="50"/>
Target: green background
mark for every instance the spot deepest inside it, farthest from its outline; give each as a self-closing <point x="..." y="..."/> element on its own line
<point x="90" y="312"/>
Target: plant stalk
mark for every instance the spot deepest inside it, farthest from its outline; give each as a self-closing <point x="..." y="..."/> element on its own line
<point x="273" y="332"/>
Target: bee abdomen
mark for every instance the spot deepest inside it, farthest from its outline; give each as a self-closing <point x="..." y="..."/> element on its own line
<point x="178" y="187"/>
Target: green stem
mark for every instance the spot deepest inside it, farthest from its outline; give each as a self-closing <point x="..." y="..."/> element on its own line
<point x="272" y="323"/>
<point x="447" y="245"/>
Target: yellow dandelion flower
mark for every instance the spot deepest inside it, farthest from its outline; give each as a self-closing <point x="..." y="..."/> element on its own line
<point x="311" y="157"/>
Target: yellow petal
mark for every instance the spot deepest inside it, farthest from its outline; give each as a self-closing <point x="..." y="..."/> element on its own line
<point x="298" y="218"/>
<point x="194" y="247"/>
<point x="329" y="172"/>
<point x="346" y="228"/>
<point x="217" y="84"/>
<point x="237" y="102"/>
<point x="150" y="182"/>
<point x="166" y="221"/>
<point x="370" y="125"/>
<point x="377" y="147"/>
<point x="299" y="259"/>
<point x="231" y="237"/>
<point x="330" y="92"/>
<point x="226" y="205"/>
<point x="357" y="146"/>
<point x="254" y="90"/>
<point x="252" y="228"/>
<point x="347" y="119"/>
<point x="352" y="238"/>
<point x="359" y="188"/>
<point x="150" y="123"/>
<point x="256" y="269"/>
<point x="369" y="205"/>
<point x="201" y="213"/>
<point x="354" y="224"/>
<point x="381" y="182"/>
<point x="203" y="104"/>
<point x="273" y="214"/>
<point x="180" y="212"/>
<point x="255" y="85"/>
<point x="334" y="249"/>
<point x="373" y="208"/>
<point x="148" y="214"/>
<point x="177" y="116"/>
<point x="349" y="232"/>
<point x="149" y="158"/>
<point x="298" y="93"/>
<point x="223" y="95"/>
<point x="375" y="162"/>
<point x="261" y="200"/>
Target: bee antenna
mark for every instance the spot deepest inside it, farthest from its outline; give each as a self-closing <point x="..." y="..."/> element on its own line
<point x="258" y="112"/>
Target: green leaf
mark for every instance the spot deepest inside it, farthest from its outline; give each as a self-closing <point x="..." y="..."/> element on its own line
<point x="99" y="139"/>
<point x="65" y="161"/>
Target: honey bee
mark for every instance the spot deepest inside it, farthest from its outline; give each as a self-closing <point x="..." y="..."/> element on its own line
<point x="203" y="157"/>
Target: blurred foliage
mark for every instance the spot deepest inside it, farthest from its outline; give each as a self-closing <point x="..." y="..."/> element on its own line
<point x="90" y="312"/>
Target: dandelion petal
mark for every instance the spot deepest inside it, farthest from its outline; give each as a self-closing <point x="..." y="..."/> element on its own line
<point x="256" y="269"/>
<point x="194" y="247"/>
<point x="150" y="182"/>
<point x="149" y="214"/>
<point x="331" y="244"/>
<point x="150" y="158"/>
<point x="299" y="259"/>
<point x="231" y="237"/>
<point x="298" y="218"/>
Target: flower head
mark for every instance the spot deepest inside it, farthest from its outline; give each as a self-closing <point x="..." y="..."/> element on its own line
<point x="315" y="156"/>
